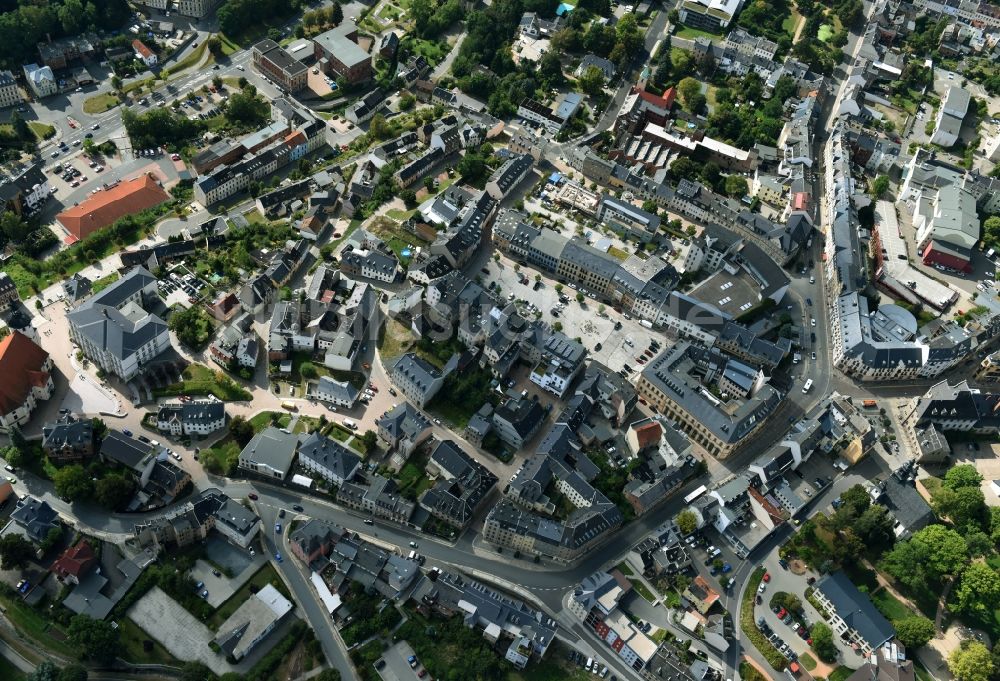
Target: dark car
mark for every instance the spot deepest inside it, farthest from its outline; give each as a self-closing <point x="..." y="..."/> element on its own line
<point x="812" y="336"/>
<point x="296" y="507"/>
<point x="809" y="302"/>
<point x="618" y="326"/>
<point x="281" y="513"/>
<point x="252" y="496"/>
<point x="597" y="348"/>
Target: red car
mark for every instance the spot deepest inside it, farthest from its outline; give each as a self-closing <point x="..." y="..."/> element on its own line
<point x="766" y="577"/>
<point x="782" y="613"/>
<point x="422" y="673"/>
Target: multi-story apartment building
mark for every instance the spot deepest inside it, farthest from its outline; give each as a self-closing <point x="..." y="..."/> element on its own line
<point x="678" y="383"/>
<point x="10" y="93"/>
<point x="114" y="330"/>
<point x="337" y="52"/>
<point x="275" y="63"/>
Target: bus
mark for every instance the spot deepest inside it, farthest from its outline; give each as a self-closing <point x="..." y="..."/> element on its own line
<point x="695" y="494"/>
<point x="807" y="386"/>
<point x="656" y="49"/>
<point x="290" y="406"/>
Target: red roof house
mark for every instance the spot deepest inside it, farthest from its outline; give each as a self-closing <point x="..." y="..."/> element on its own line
<point x="75" y="562"/>
<point x="103" y="208"/>
<point x="25" y="369"/>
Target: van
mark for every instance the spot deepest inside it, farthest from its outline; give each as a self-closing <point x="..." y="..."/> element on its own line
<point x="808" y="386"/>
<point x="590" y="663"/>
<point x="348" y="423"/>
<point x="412" y="554"/>
<point x="990" y="253"/>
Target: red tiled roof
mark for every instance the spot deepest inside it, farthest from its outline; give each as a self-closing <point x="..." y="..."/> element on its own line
<point x="648" y="434"/>
<point x="103" y="208"/>
<point x="295" y="138"/>
<point x="21" y="363"/>
<point x="664" y="102"/>
<point x="141" y="48"/>
<point x="76" y="560"/>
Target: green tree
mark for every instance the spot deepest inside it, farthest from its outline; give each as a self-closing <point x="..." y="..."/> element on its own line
<point x="875" y="529"/>
<point x="73" y="483"/>
<point x="591" y="81"/>
<point x="822" y="637"/>
<point x="196" y="671"/>
<point x="247" y="109"/>
<point x="880" y="186"/>
<point x="978" y="592"/>
<point x="308" y="370"/>
<point x="971" y="662"/>
<point x="687" y="89"/>
<point x="944" y="550"/>
<point x="335" y="14"/>
<point x="369" y="440"/>
<point x="914" y="631"/>
<point x="241" y="430"/>
<point x="687" y="521"/>
<point x="15" y="552"/>
<point x="965" y="507"/>
<point x="328" y="675"/>
<point x="406" y="102"/>
<point x="114" y="491"/>
<point x="736" y="186"/>
<point x="472" y="167"/>
<point x="13" y="228"/>
<point x="961" y="476"/>
<point x="214" y="45"/>
<point x="991" y="231"/>
<point x="116" y="82"/>
<point x="74" y="671"/>
<point x="46" y="671"/>
<point x="97" y="638"/>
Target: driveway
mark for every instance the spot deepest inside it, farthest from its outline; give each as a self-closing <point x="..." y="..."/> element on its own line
<point x="176" y="629"/>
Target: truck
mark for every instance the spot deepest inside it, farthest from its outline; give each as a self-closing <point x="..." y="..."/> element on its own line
<point x="870" y="404"/>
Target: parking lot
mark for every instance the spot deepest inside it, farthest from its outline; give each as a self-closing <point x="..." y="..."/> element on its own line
<point x="396" y="667"/>
<point x="181" y="287"/>
<point x="218" y="586"/>
<point x="594" y="326"/>
<point x="75" y="171"/>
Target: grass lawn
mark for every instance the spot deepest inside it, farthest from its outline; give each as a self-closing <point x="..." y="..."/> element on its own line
<point x="263" y="420"/>
<point x="791" y="22"/>
<point x="841" y="673"/>
<point x="41" y="130"/>
<point x="190" y="60"/>
<point x="433" y="51"/>
<point x="105" y="282"/>
<point x="692" y="33"/>
<point x="131" y="646"/>
<point x="807" y="661"/>
<point x="33" y="625"/>
<point x="100" y="103"/>
<point x="824" y="34"/>
<point x="889" y="605"/>
<point x="198" y="379"/>
<point x="625" y="569"/>
<point x="396" y="339"/>
<point x="617" y="253"/>
<point x="266" y="575"/>
<point x="641" y="589"/>
<point x="9" y="672"/>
